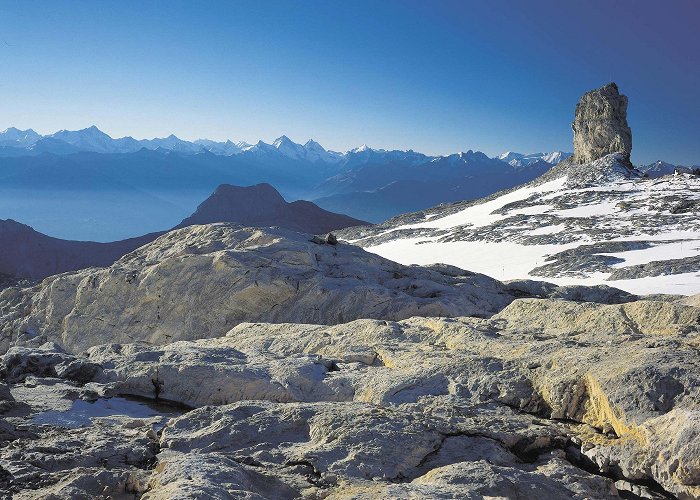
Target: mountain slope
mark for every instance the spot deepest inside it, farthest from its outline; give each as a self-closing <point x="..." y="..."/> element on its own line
<point x="262" y="205"/>
<point x="28" y="254"/>
<point x="577" y="224"/>
<point x="591" y="219"/>
<point x="377" y="193"/>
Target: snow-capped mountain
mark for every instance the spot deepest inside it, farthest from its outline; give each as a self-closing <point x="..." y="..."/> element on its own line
<point x="658" y="168"/>
<point x="314" y="152"/>
<point x="378" y="190"/>
<point x="225" y="148"/>
<point x="289" y="148"/>
<point x="93" y="139"/>
<point x="13" y="137"/>
<point x="601" y="222"/>
<point x="521" y="160"/>
<point x="172" y="143"/>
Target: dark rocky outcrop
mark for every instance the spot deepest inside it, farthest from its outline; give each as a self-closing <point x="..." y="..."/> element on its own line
<point x="263" y="206"/>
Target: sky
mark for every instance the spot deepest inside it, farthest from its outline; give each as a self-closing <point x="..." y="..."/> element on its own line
<point x="433" y="76"/>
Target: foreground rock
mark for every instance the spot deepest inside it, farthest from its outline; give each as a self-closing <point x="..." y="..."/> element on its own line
<point x="600" y="125"/>
<point x="547" y="397"/>
<point x="200" y="281"/>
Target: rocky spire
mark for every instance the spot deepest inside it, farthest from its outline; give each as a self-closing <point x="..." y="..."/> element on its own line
<point x="600" y="126"/>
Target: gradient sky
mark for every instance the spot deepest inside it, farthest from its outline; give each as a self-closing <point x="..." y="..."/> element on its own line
<point x="435" y="76"/>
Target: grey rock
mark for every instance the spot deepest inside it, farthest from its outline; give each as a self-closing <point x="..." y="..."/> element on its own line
<point x="200" y="281"/>
<point x="548" y="397"/>
<point x="657" y="268"/>
<point x="600" y="125"/>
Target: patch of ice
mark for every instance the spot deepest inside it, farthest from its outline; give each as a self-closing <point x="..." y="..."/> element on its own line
<point x="81" y="413"/>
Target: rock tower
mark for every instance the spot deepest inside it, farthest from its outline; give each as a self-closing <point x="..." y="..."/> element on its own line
<point x="600" y="125"/>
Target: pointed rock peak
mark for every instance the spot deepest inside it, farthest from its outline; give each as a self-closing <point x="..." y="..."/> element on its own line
<point x="600" y="125"/>
<point x="362" y="148"/>
<point x="282" y="140"/>
<point x="311" y="144"/>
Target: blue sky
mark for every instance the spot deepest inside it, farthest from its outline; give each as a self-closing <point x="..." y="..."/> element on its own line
<point x="434" y="76"/>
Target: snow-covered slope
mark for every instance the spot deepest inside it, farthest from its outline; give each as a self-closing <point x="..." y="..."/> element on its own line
<point x="577" y="224"/>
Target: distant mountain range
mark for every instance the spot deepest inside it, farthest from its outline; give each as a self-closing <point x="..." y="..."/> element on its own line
<point x="521" y="160"/>
<point x="377" y="192"/>
<point x="660" y="168"/>
<point x="15" y="142"/>
<point x="26" y="254"/>
<point x="86" y="185"/>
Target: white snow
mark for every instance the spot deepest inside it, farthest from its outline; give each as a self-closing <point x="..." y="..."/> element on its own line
<point x="482" y="214"/>
<point x="604" y="208"/>
<point x="506" y="259"/>
<point x="675" y="250"/>
<point x="503" y="260"/>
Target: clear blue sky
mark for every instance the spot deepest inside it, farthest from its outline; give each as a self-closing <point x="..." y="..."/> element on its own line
<point x="435" y="76"/>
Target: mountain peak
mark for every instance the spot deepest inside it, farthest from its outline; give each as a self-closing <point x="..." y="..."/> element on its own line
<point x="262" y="205"/>
<point x="12" y="226"/>
<point x="15" y="137"/>
<point x="311" y="144"/>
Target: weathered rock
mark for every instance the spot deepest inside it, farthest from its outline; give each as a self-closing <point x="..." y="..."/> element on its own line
<point x="212" y="475"/>
<point x="600" y="125"/>
<point x="200" y="281"/>
<point x="532" y="399"/>
<point x="548" y="397"/>
<point x="48" y="360"/>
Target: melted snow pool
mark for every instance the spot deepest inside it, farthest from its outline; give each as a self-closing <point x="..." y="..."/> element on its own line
<point x="82" y="413"/>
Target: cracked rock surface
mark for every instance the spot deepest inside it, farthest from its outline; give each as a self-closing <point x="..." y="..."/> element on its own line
<point x="549" y="397"/>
